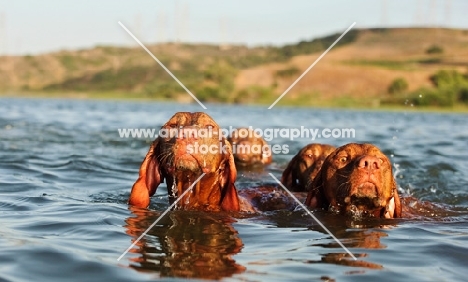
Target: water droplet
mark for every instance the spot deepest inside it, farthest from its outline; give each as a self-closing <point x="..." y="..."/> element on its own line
<point x="173" y="189"/>
<point x="187" y="197"/>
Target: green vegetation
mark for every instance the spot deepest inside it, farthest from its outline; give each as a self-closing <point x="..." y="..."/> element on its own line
<point x="434" y="49"/>
<point x="68" y="62"/>
<point x="429" y="61"/>
<point x="386" y="64"/>
<point x="398" y="86"/>
<point x="255" y="94"/>
<point x="288" y="72"/>
<point x="209" y="72"/>
<point x="316" y="45"/>
<point x="450" y="89"/>
<point x="406" y="65"/>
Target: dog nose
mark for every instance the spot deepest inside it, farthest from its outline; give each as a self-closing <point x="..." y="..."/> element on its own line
<point x="369" y="162"/>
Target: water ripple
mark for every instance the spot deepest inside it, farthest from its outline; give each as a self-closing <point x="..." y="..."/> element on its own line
<point x="66" y="177"/>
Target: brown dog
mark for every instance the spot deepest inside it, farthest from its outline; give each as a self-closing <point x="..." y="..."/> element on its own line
<point x="357" y="179"/>
<point x="182" y="152"/>
<point x="249" y="148"/>
<point x="304" y="166"/>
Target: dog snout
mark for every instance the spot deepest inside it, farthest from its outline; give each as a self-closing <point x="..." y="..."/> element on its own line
<point x="369" y="163"/>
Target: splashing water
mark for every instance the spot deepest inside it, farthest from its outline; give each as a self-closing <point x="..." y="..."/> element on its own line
<point x="174" y="189"/>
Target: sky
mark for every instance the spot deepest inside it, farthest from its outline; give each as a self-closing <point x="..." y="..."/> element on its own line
<point x="29" y="27"/>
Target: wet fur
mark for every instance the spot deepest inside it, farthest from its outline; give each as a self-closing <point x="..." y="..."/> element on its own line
<point x="168" y="160"/>
<point x="304" y="166"/>
<point x="345" y="186"/>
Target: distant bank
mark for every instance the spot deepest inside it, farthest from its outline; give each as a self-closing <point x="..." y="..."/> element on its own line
<point x="370" y="68"/>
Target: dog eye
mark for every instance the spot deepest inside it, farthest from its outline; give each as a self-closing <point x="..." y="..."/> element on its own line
<point x="172" y="125"/>
<point x="310" y="156"/>
<point x="343" y="159"/>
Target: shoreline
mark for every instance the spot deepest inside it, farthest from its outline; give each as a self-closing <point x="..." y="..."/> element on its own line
<point x="126" y="97"/>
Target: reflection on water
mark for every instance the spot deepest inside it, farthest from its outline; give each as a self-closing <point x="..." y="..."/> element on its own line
<point x="197" y="244"/>
<point x="356" y="235"/>
<point x="202" y="245"/>
<point x="185" y="244"/>
<point x="354" y="239"/>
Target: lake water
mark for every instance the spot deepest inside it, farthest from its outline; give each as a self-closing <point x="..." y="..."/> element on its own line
<point x="66" y="176"/>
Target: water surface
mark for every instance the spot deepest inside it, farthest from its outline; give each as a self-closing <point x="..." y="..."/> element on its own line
<point x="66" y="175"/>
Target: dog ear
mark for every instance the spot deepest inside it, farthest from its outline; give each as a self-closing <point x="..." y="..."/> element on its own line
<point x="316" y="196"/>
<point x="396" y="197"/>
<point x="148" y="180"/>
<point x="229" y="197"/>
<point x="289" y="178"/>
<point x="153" y="175"/>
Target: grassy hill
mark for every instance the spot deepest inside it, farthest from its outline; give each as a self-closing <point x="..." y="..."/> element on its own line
<point x="368" y="68"/>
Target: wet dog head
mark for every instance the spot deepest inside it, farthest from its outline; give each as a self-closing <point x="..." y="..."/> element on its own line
<point x="305" y="165"/>
<point x="188" y="145"/>
<point x="249" y="148"/>
<point x="356" y="179"/>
